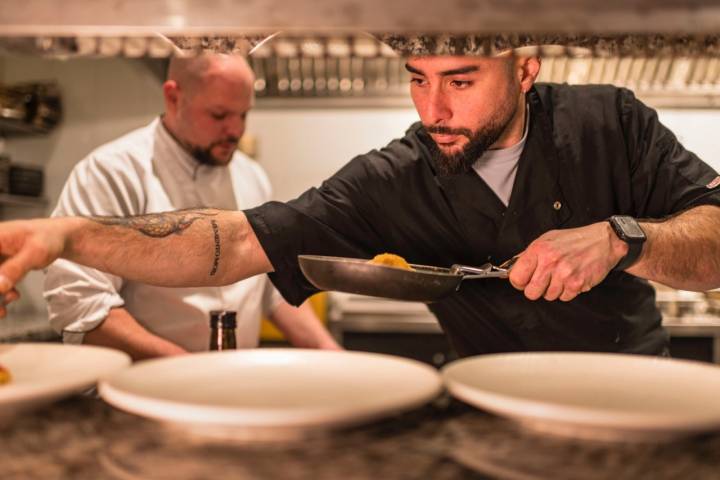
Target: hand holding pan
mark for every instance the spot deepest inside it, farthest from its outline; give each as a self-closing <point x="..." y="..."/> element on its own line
<point x="421" y="284"/>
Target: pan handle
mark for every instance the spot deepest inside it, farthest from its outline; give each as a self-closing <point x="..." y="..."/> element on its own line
<point x="484" y="271"/>
<point x="508" y="264"/>
<point x="487" y="270"/>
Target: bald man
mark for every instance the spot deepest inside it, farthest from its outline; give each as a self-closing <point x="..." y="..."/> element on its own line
<point x="187" y="158"/>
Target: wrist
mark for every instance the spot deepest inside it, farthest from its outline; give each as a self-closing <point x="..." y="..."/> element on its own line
<point x="628" y="231"/>
<point x="70" y="233"/>
<point x="618" y="248"/>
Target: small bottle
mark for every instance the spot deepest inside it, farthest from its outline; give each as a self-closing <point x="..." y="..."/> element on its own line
<point x="229" y="324"/>
<point x="214" y="332"/>
<point x="222" y="330"/>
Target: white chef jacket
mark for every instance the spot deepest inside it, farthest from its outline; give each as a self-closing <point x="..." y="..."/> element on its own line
<point x="147" y="171"/>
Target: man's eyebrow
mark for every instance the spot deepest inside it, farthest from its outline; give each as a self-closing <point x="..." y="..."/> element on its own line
<point x="445" y="73"/>
<point x="413" y="70"/>
<point x="460" y="71"/>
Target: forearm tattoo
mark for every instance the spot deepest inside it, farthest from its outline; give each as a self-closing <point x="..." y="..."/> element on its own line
<point x="216" y="258"/>
<point x="159" y="225"/>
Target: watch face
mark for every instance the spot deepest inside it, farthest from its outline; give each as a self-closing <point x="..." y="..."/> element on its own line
<point x="629" y="228"/>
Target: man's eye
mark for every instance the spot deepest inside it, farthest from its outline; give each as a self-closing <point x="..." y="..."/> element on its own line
<point x="417" y="80"/>
<point x="218" y="116"/>
<point x="461" y="83"/>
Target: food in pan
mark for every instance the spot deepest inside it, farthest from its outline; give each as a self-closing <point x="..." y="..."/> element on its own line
<point x="390" y="260"/>
<point x="4" y="375"/>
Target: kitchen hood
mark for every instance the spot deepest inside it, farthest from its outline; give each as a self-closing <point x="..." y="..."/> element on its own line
<point x="195" y="17"/>
<point x="668" y="51"/>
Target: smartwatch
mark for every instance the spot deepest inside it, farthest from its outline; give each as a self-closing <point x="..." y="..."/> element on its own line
<point x="629" y="231"/>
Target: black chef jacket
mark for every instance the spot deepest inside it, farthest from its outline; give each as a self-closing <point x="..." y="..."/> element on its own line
<point x="591" y="152"/>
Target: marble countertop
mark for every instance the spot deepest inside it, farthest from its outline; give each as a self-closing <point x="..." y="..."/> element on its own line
<point x="84" y="438"/>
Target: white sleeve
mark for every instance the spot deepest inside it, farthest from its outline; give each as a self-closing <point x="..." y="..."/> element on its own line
<point x="80" y="298"/>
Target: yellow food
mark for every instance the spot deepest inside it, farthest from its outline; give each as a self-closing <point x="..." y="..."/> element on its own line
<point x="4" y="375"/>
<point x="390" y="260"/>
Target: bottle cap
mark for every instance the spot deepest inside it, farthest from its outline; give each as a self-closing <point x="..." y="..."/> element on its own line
<point x="229" y="319"/>
<point x="215" y="318"/>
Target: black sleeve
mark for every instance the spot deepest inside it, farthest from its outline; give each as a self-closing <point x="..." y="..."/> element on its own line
<point x="665" y="177"/>
<point x="340" y="218"/>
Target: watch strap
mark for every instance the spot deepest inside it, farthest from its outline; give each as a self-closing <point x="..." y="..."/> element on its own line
<point x="634" y="251"/>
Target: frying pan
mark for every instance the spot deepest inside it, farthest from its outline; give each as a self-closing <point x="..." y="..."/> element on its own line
<point x="421" y="284"/>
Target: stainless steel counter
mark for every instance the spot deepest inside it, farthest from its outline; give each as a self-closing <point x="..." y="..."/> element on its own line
<point x="693" y="336"/>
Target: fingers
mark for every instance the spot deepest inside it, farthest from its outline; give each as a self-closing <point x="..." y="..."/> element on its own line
<point x="551" y="282"/>
<point x="522" y="271"/>
<point x="568" y="295"/>
<point x="566" y="284"/>
<point x="9" y="297"/>
<point x="539" y="284"/>
<point x="555" y="290"/>
<point x="528" y="276"/>
<point x="14" y="268"/>
<point x="554" y="286"/>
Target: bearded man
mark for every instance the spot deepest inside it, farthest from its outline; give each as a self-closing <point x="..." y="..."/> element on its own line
<point x="187" y="158"/>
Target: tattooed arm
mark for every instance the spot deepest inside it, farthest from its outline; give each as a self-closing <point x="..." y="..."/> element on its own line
<point x="173" y="249"/>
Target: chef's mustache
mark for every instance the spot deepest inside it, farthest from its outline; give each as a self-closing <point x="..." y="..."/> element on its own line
<point x="234" y="140"/>
<point x="443" y="130"/>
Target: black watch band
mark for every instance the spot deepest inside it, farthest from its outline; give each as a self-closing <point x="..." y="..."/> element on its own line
<point x="629" y="231"/>
<point x="630" y="258"/>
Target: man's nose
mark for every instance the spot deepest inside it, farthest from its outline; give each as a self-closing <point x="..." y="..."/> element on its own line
<point x="438" y="107"/>
<point x="234" y="128"/>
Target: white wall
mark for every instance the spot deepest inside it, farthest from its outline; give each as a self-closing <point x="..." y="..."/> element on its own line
<point x="299" y="148"/>
<point x="697" y="130"/>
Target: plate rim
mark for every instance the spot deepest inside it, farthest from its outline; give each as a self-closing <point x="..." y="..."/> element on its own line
<point x="304" y="417"/>
<point x="596" y="418"/>
<point x="12" y="393"/>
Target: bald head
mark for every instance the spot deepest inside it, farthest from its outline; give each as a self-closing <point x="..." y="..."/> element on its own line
<point x="207" y="98"/>
<point x="192" y="73"/>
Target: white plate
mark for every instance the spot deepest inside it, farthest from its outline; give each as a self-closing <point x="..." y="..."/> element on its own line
<point x="43" y="372"/>
<point x="272" y="388"/>
<point x="592" y="395"/>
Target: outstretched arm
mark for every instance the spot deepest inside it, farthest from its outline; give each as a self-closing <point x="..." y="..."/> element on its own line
<point x="202" y="247"/>
<point x="682" y="251"/>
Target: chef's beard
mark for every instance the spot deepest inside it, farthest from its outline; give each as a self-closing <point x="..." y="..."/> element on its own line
<point x="204" y="154"/>
<point x="478" y="142"/>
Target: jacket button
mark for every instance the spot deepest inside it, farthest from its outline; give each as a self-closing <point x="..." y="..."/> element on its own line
<point x="557" y="205"/>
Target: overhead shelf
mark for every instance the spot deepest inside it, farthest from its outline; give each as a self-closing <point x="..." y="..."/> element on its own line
<point x="7" y="199"/>
<point x="9" y="127"/>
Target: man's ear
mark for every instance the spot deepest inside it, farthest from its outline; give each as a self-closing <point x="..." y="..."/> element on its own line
<point x="529" y="69"/>
<point x="171" y="94"/>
